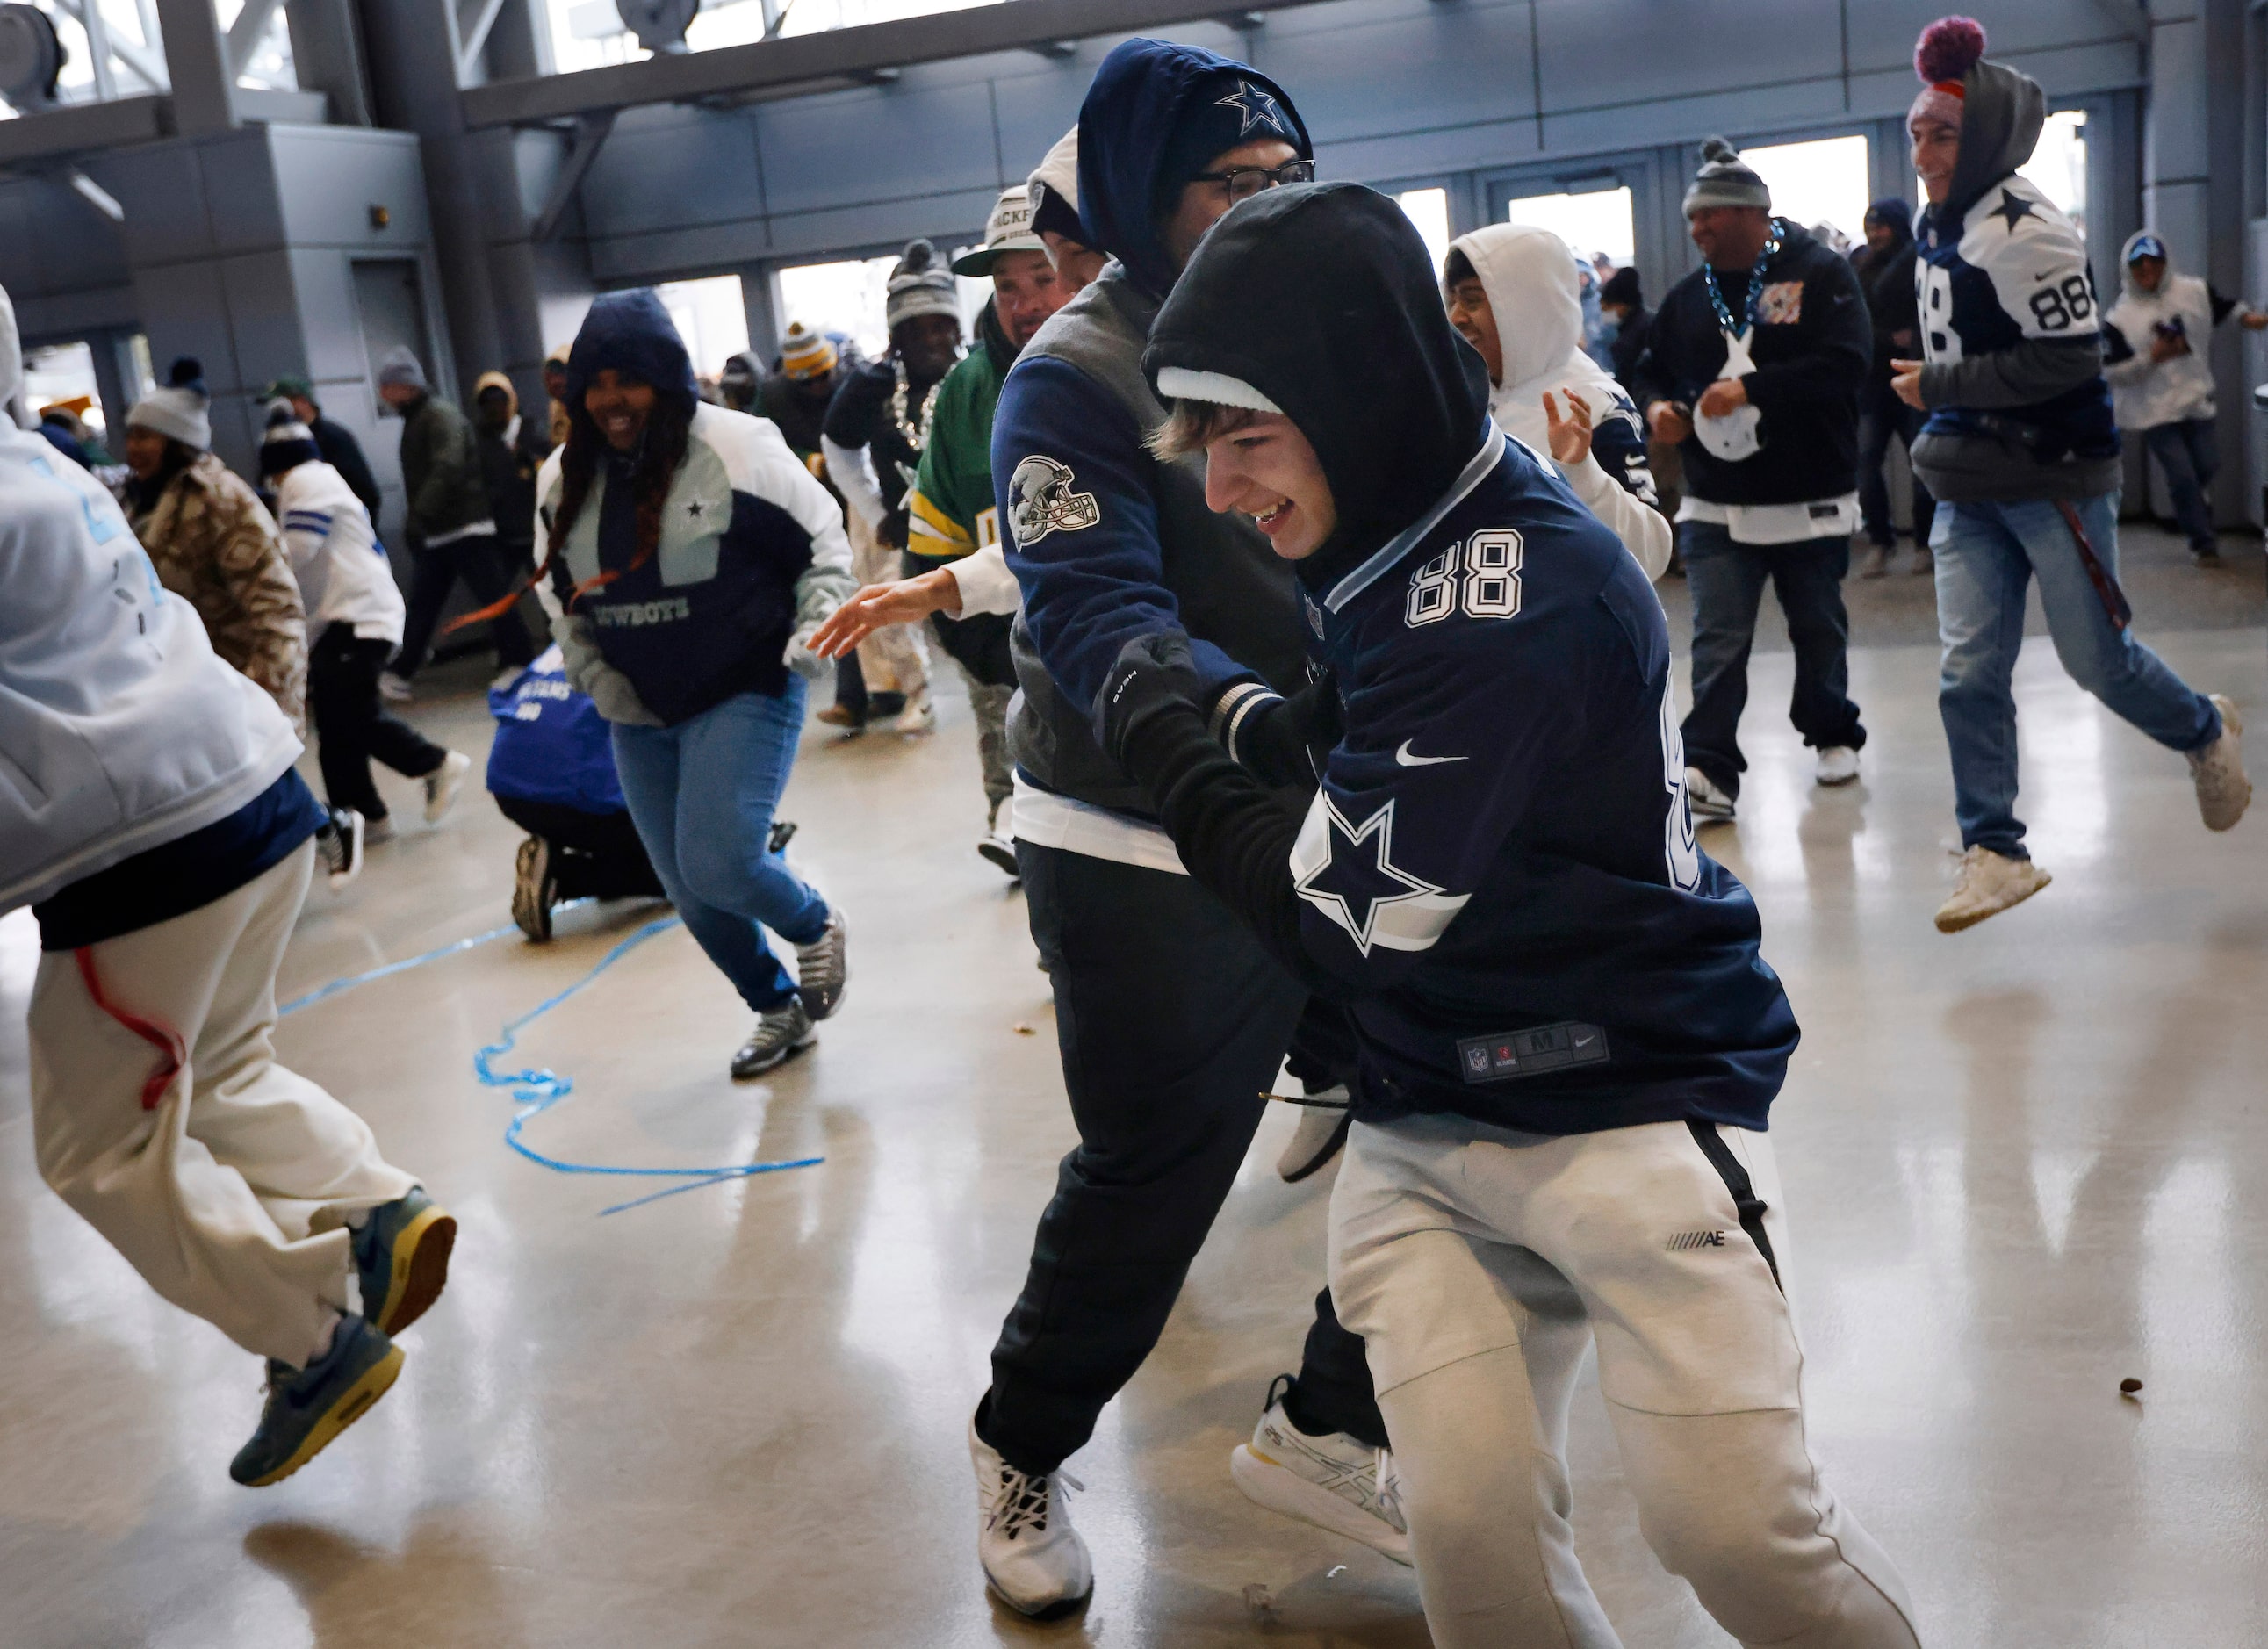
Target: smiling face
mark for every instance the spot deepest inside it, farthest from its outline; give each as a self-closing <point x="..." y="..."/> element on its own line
<point x="1470" y="314"/>
<point x="146" y="450"/>
<point x="928" y="344"/>
<point x="1936" y="151"/>
<point x="1268" y="470"/>
<point x="1729" y="237"/>
<point x="619" y="407"/>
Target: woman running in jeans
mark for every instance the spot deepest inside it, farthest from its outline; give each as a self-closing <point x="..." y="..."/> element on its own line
<point x="689" y="559"/>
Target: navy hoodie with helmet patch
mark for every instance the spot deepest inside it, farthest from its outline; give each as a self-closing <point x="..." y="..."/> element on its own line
<point x="1499" y="872"/>
<point x="752" y="547"/>
<point x="1107" y="541"/>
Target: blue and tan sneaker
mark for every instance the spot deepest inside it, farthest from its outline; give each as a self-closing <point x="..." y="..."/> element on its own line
<point x="402" y="1252"/>
<point x="309" y="1406"/>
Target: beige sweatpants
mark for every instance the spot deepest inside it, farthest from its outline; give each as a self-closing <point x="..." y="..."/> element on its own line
<point x="1476" y="1263"/>
<point x="891" y="658"/>
<point x="230" y="1196"/>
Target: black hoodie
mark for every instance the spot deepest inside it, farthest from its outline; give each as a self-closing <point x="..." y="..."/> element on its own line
<point x="1499" y="872"/>
<point x="1367" y="365"/>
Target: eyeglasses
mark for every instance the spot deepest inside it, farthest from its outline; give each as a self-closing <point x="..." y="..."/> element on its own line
<point x="1243" y="182"/>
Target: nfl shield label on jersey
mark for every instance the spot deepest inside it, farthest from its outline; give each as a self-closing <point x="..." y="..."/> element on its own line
<point x="1041" y="501"/>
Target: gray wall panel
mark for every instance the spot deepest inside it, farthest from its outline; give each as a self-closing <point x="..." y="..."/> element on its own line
<point x="896" y="142"/>
<point x="242" y="211"/>
<point x="162" y="188"/>
<point x="72" y="315"/>
<point x="1446" y="66"/>
<point x="263" y="314"/>
<point x="320" y="277"/>
<point x="329" y="177"/>
<point x="1601" y="53"/>
<point x="647" y="177"/>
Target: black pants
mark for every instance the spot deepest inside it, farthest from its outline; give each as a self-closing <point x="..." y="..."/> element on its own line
<point x="593" y="855"/>
<point x="1171" y="1021"/>
<point x="487" y="565"/>
<point x="1727" y="581"/>
<point x="1878" y="422"/>
<point x="352" y="725"/>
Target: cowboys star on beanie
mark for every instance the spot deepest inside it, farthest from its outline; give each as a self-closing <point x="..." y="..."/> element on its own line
<point x="1726" y="179"/>
<point x="1947" y="51"/>
<point x="919" y="285"/>
<point x="805" y="353"/>
<point x="287" y="443"/>
<point x="182" y="410"/>
<point x="401" y="367"/>
<point x="1228" y="109"/>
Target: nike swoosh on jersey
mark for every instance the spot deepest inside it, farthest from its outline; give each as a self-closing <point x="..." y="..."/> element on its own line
<point x="1403" y="756"/>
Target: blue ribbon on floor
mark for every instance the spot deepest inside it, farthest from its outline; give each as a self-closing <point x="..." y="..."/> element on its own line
<point x="538" y="1090"/>
<point x="337" y="986"/>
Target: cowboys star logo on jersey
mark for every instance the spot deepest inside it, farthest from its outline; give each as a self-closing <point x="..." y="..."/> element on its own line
<point x="1257" y="108"/>
<point x="1347" y="872"/>
<point x="1040" y="501"/>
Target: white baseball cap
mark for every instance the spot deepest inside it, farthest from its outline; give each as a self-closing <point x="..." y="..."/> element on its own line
<point x="1009" y="229"/>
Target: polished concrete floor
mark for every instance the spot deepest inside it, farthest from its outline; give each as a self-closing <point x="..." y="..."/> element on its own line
<point x="2022" y="1164"/>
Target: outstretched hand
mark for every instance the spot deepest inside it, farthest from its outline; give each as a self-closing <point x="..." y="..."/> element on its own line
<point x="1569" y="438"/>
<point x="878" y="605"/>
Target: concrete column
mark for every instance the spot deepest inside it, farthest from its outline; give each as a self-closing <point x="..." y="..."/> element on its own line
<point x="760" y="296"/>
<point x="196" y="62"/>
<point x="327" y="55"/>
<point x="413" y="82"/>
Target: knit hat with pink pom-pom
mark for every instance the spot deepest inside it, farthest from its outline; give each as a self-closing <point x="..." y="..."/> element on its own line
<point x="1948" y="50"/>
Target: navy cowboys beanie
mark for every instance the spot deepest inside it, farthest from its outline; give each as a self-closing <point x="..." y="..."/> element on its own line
<point x="1230" y="108"/>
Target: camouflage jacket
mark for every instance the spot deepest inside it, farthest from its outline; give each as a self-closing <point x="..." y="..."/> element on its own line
<point x="216" y="546"/>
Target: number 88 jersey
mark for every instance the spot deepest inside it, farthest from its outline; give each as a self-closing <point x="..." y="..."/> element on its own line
<point x="2010" y="271"/>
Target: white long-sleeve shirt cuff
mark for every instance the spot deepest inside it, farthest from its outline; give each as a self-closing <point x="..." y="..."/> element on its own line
<point x="986" y="584"/>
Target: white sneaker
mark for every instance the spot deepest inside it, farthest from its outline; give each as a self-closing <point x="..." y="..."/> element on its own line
<point x="1990" y="883"/>
<point x="443" y="783"/>
<point x="918" y="715"/>
<point x="341" y="847"/>
<point x="1033" y="1560"/>
<point x="1334" y="1481"/>
<point x="1324" y="1119"/>
<point x="2223" y="793"/>
<point x="393" y="687"/>
<point x="1839" y="764"/>
<point x="1706" y="800"/>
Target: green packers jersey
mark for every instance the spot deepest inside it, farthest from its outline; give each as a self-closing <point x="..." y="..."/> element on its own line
<point x="951" y="508"/>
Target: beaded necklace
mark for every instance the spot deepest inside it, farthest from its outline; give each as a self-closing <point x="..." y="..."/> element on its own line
<point x="916" y="430"/>
<point x="1756" y="284"/>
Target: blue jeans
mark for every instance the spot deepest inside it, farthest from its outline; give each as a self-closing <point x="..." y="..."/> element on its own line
<point x="1727" y="581"/>
<point x="1986" y="553"/>
<point x="2186" y="451"/>
<point x="701" y="795"/>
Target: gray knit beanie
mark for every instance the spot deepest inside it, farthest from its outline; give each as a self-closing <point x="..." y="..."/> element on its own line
<point x="400" y="367"/>
<point x="1726" y="179"/>
<point x="182" y="410"/>
<point x="920" y="285"/>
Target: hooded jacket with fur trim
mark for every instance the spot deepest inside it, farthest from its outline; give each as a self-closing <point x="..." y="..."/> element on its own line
<point x="1534" y="292"/>
<point x="1499" y="872"/>
<point x="752" y="548"/>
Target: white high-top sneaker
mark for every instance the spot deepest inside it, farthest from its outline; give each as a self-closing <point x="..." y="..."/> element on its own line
<point x="1702" y="795"/>
<point x="1990" y="882"/>
<point x="2223" y="793"/>
<point x="1334" y="1481"/>
<point x="1034" y="1559"/>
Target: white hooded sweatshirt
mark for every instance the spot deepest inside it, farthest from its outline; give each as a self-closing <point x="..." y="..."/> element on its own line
<point x="2144" y="393"/>
<point x="121" y="730"/>
<point x="1531" y="281"/>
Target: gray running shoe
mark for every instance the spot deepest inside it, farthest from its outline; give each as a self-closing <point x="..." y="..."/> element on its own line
<point x="778" y="1037"/>
<point x="822" y="969"/>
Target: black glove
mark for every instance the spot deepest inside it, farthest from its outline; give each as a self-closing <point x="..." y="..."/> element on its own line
<point x="895" y="528"/>
<point x="1283" y="739"/>
<point x="1155" y="674"/>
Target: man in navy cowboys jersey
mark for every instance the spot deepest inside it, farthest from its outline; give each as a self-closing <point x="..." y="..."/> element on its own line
<point x="2022" y="454"/>
<point x="1568" y="1043"/>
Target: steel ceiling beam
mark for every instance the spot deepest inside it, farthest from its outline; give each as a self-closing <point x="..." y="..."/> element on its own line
<point x="782" y="68"/>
